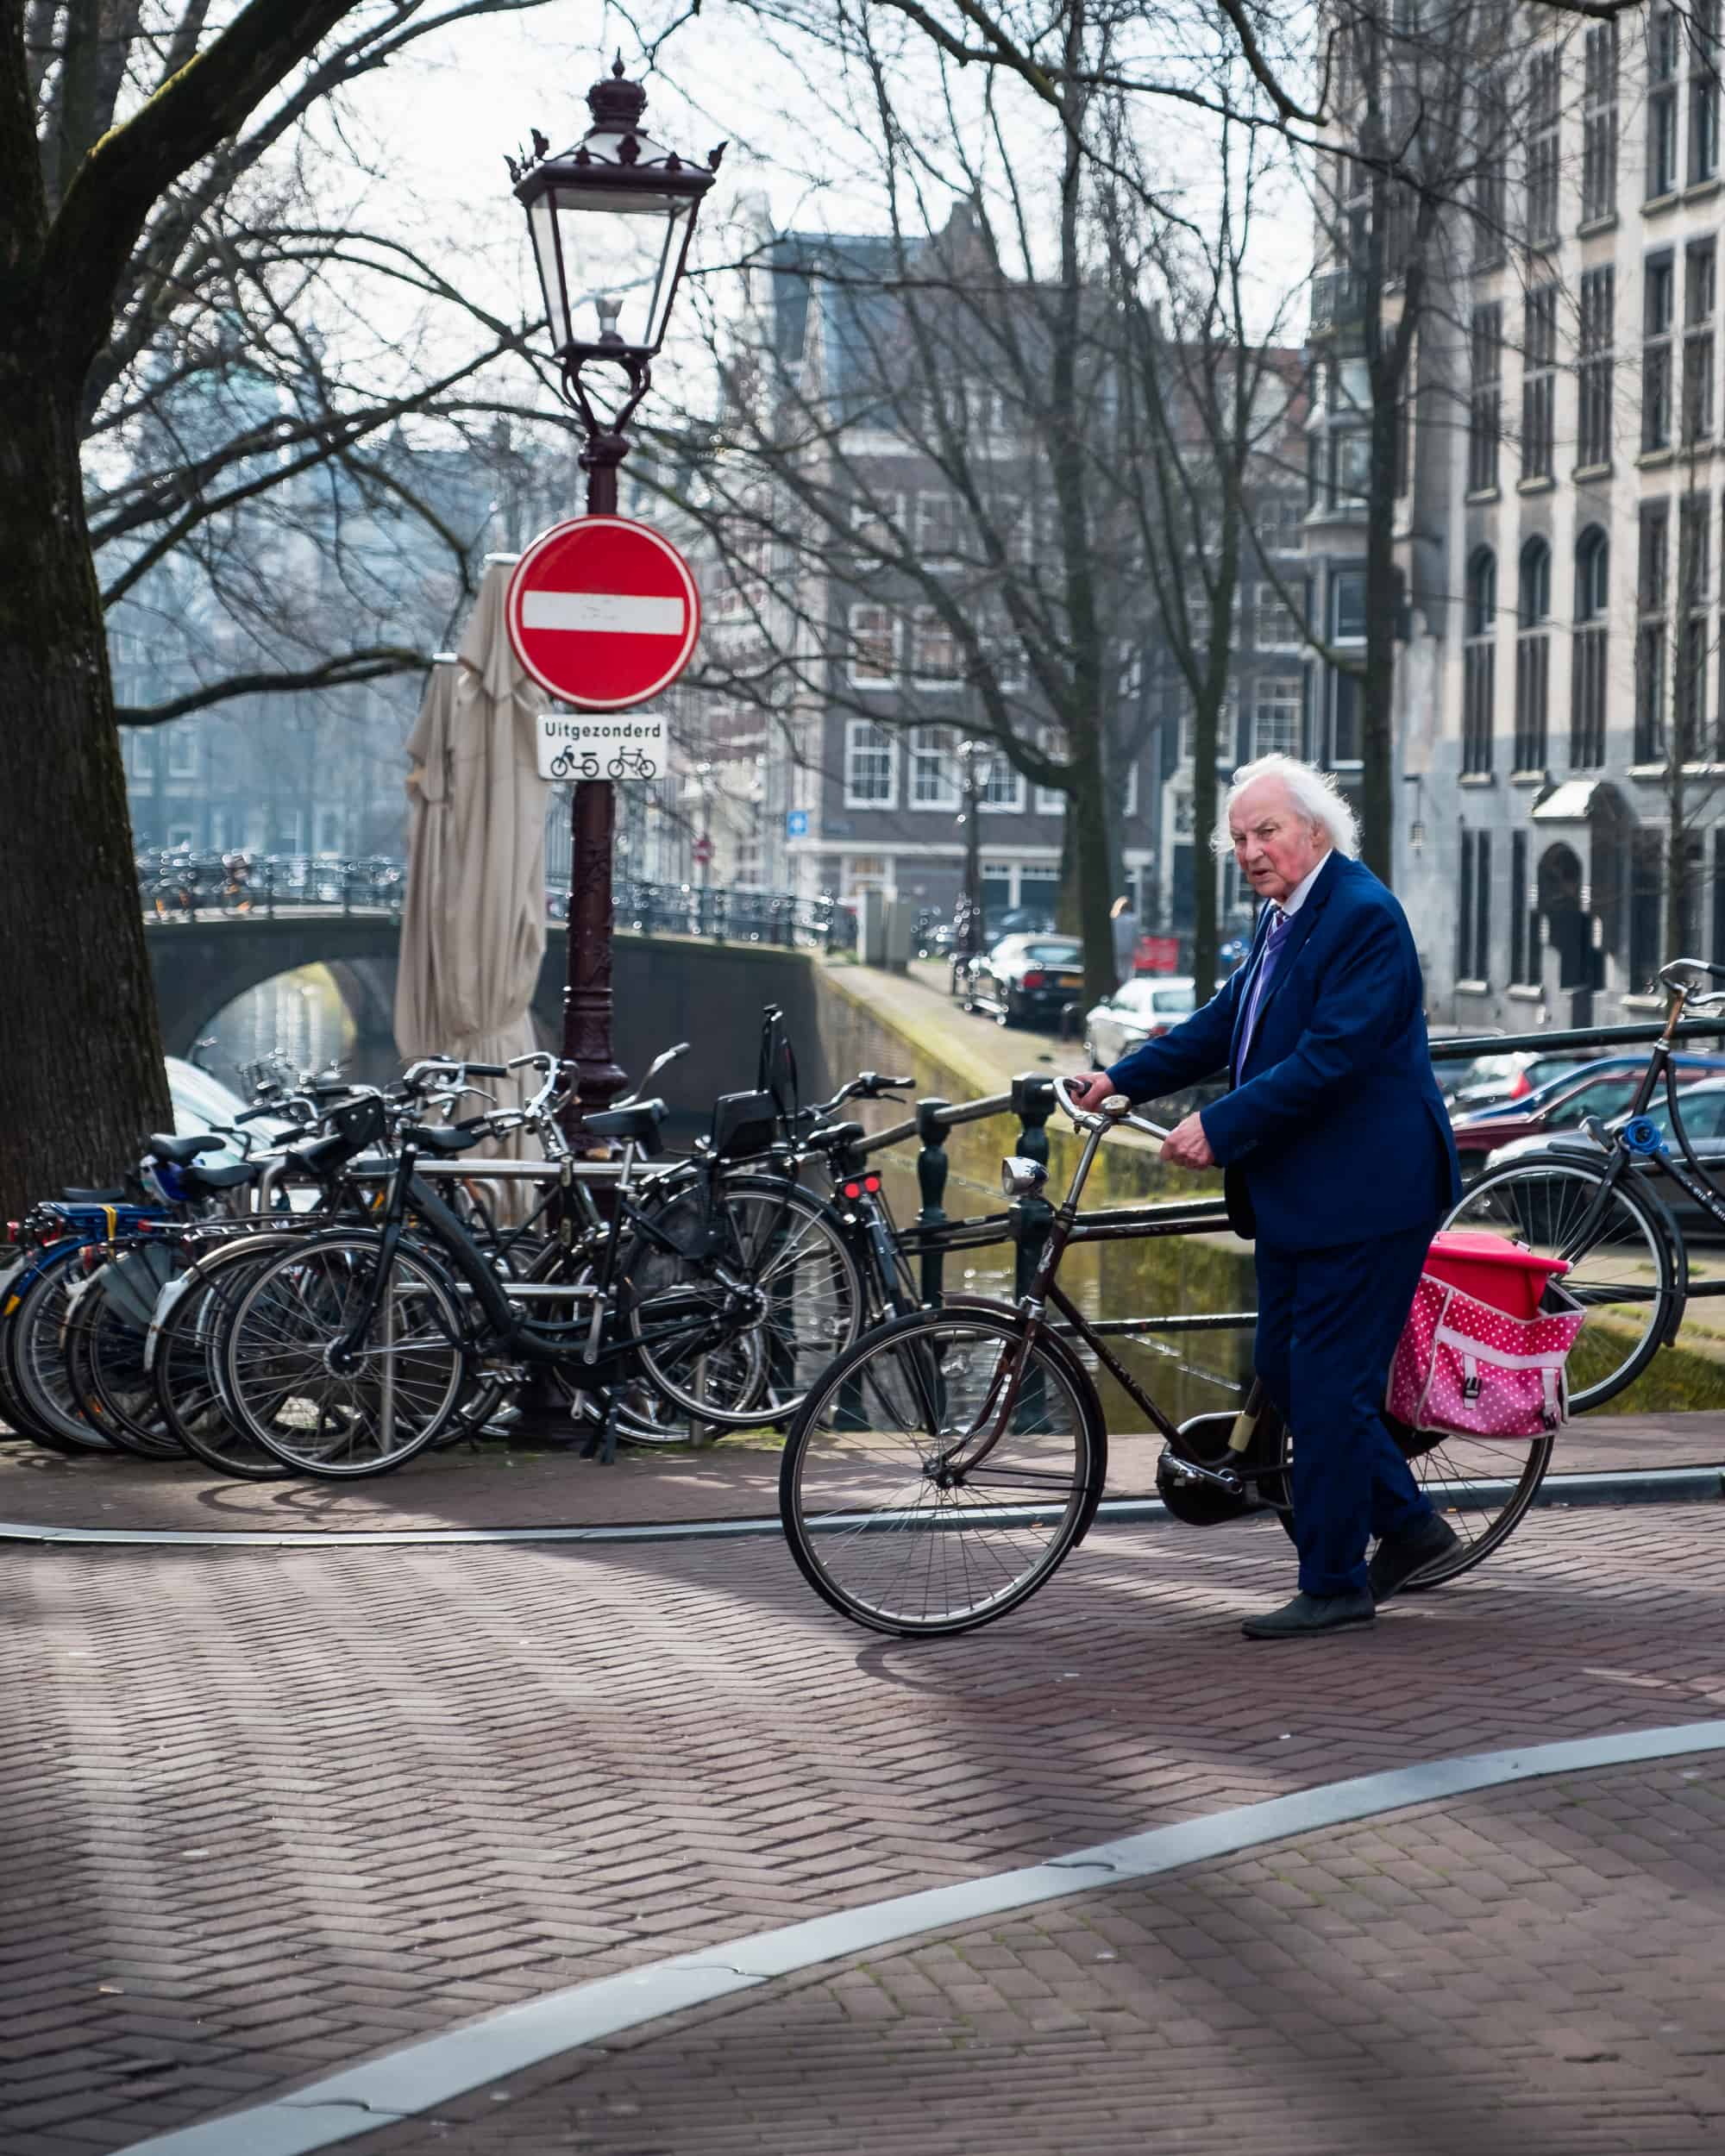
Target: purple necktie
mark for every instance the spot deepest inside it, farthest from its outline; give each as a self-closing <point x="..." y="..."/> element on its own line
<point x="1268" y="959"/>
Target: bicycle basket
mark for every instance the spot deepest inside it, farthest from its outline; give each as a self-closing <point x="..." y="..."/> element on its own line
<point x="742" y="1124"/>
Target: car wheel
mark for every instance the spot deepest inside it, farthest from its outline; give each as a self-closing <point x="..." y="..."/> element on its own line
<point x="1008" y="1013"/>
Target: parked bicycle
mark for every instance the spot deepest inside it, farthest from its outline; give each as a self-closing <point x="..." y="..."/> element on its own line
<point x="1591" y="1198"/>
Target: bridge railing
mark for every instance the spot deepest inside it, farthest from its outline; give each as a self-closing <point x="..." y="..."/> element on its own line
<point x="184" y="886"/>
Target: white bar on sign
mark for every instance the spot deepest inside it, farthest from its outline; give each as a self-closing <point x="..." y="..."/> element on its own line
<point x="617" y="614"/>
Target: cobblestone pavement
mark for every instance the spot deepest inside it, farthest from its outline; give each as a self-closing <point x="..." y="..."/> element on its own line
<point x="1538" y="1969"/>
<point x="500" y="1487"/>
<point x="271" y="1811"/>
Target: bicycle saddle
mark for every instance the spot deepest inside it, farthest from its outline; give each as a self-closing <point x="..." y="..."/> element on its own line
<point x="431" y="1137"/>
<point x="639" y="1122"/>
<point x="833" y="1138"/>
<point x="93" y="1197"/>
<point x="233" y="1178"/>
<point x="182" y="1152"/>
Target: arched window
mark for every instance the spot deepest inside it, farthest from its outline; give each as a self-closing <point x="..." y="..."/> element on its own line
<point x="1587" y="666"/>
<point x="1532" y="656"/>
<point x="1480" y="661"/>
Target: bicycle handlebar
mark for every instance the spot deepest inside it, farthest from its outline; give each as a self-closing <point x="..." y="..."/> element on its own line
<point x="1115" y="1110"/>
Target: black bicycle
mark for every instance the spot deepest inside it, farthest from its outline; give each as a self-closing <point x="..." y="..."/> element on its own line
<point x="1590" y="1198"/>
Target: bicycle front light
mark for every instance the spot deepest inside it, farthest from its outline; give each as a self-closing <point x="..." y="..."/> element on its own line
<point x="1021" y="1178"/>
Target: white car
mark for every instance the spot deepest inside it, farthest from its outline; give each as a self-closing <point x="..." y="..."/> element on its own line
<point x="1141" y="1009"/>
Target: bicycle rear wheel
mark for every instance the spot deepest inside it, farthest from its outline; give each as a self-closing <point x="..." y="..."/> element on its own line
<point x="105" y="1341"/>
<point x="283" y="1375"/>
<point x="735" y="1321"/>
<point x="940" y="1472"/>
<point x="1622" y="1268"/>
<point x="184" y="1361"/>
<point x="36" y="1357"/>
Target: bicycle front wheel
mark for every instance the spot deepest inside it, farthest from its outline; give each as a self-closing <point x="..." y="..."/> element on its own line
<point x="327" y="1410"/>
<point x="940" y="1472"/>
<point x="1622" y="1270"/>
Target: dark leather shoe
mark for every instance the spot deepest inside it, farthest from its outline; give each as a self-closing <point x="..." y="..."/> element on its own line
<point x="1398" y="1558"/>
<point x="1307" y="1614"/>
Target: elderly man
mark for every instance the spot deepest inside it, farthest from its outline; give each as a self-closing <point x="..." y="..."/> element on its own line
<point x="1338" y="1162"/>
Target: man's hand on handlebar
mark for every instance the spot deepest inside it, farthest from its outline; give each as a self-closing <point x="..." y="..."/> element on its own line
<point x="1091" y="1088"/>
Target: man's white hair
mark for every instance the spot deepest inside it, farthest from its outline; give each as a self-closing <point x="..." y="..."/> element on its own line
<point x="1316" y="795"/>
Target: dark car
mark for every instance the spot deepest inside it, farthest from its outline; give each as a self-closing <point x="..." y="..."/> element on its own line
<point x="1564" y="1105"/>
<point x="1140" y="1010"/>
<point x="1704" y="1121"/>
<point x="1025" y="980"/>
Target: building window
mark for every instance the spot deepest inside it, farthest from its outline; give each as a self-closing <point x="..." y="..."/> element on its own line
<point x="1544" y="104"/>
<point x="935" y="661"/>
<point x="1599" y="124"/>
<point x="871" y="757"/>
<point x="1488" y="190"/>
<point x="1005" y="786"/>
<point x="1703" y="92"/>
<point x="878" y="528"/>
<point x="1347" y="626"/>
<point x="1051" y="800"/>
<point x="1652" y="588"/>
<point x="1485" y="397"/>
<point x="1524" y="917"/>
<point x="1657" y="276"/>
<point x="1349" y="468"/>
<point x="873" y="647"/>
<point x="1539" y="382"/>
<point x="1587" y="660"/>
<point x="1694" y="598"/>
<point x="1647" y="908"/>
<point x="1700" y="282"/>
<point x="141" y="752"/>
<point x="1532" y="656"/>
<point x="1277" y="713"/>
<point x="183" y="759"/>
<point x="1479" y="657"/>
<point x="866" y="872"/>
<point x="1275" y="626"/>
<point x="937" y="526"/>
<point x="934" y="768"/>
<point x="1473" y="914"/>
<point x="1593" y="351"/>
<point x="1662" y="65"/>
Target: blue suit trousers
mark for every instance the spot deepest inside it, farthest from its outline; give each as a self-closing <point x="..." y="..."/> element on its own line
<point x="1328" y="1324"/>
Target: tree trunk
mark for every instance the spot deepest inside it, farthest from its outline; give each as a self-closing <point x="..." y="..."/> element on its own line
<point x="84" y="1079"/>
<point x="1204" y="957"/>
<point x="1378" y="690"/>
<point x="1088" y="836"/>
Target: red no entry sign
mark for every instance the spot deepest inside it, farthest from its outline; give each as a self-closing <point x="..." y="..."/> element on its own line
<point x="603" y="612"/>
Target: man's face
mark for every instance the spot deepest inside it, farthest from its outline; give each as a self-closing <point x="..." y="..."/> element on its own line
<point x="1276" y="844"/>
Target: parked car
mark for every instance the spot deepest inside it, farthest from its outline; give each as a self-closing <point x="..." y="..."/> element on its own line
<point x="1027" y="978"/>
<point x="1492" y="1081"/>
<point x="1140" y="1010"/>
<point x="1703" y="1118"/>
<point x="1562" y="1105"/>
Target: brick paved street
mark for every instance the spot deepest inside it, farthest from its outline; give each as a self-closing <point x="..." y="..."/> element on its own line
<point x="496" y="1487"/>
<point x="1532" y="1970"/>
<point x="269" y="1812"/>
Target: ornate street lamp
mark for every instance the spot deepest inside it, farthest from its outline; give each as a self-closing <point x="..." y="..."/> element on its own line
<point x="611" y="221"/>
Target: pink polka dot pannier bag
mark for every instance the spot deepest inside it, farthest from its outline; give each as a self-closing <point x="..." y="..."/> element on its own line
<point x="1484" y="1349"/>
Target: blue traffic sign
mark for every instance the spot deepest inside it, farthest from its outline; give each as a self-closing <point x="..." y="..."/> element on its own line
<point x="796" y="823"/>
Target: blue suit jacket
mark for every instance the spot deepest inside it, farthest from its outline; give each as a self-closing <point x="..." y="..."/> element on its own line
<point x="1334" y="1131"/>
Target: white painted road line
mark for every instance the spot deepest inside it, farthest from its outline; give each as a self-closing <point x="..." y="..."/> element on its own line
<point x="606" y="613"/>
<point x="406" y="2084"/>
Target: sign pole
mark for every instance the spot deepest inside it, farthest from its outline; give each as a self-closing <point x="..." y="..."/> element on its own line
<point x="587" y="1003"/>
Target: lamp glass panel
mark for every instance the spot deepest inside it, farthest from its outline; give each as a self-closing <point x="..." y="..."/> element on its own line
<point x="622" y="244"/>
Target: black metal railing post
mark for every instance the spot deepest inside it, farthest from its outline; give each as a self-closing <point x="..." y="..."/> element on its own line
<point x="931" y="1168"/>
